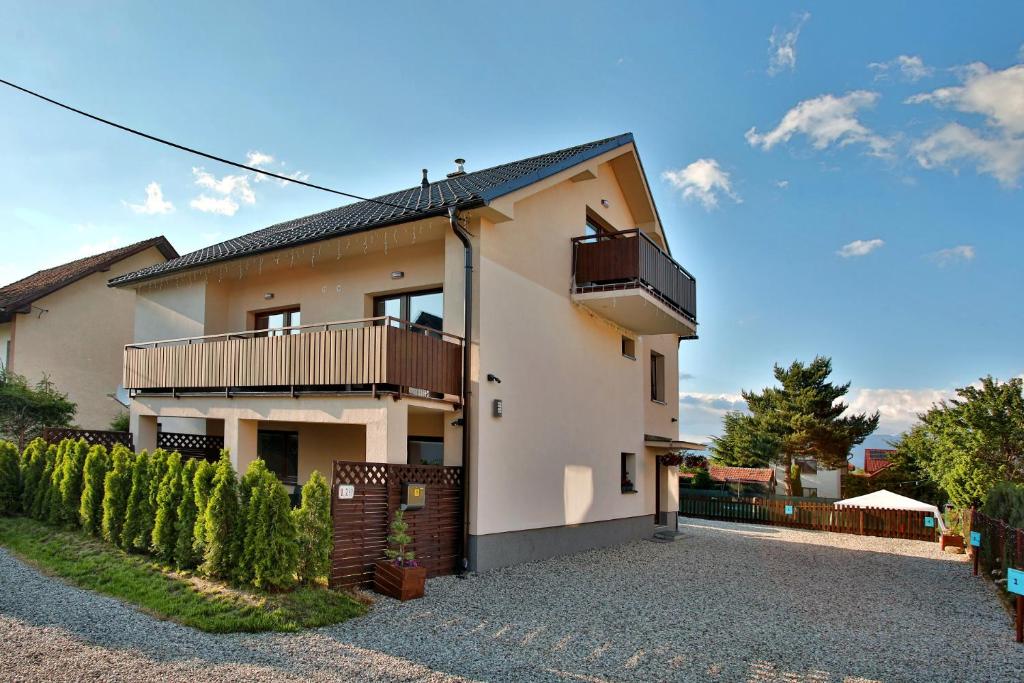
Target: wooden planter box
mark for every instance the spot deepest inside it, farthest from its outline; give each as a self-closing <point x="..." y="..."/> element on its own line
<point x="400" y="583"/>
<point x="951" y="540"/>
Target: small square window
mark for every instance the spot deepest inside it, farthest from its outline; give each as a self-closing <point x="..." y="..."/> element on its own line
<point x="628" y="472"/>
<point x="629" y="348"/>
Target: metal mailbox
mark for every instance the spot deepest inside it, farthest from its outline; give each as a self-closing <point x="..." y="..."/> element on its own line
<point x="414" y="496"/>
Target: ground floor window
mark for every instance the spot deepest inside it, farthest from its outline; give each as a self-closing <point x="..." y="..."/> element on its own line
<point x="280" y="450"/>
<point x="628" y="467"/>
<point x="426" y="450"/>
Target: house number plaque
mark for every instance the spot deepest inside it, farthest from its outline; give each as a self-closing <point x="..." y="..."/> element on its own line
<point x="346" y="491"/>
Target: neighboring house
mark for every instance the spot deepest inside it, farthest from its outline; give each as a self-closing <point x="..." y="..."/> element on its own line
<point x="817" y="481"/>
<point x="741" y="480"/>
<point x="65" y="323"/>
<point x="339" y="336"/>
<point x="876" y="459"/>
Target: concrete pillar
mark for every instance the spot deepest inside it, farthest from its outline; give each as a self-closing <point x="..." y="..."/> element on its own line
<point x="143" y="429"/>
<point x="240" y="440"/>
<point x="387" y="435"/>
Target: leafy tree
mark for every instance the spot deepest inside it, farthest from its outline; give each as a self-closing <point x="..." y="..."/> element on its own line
<point x="70" y="485"/>
<point x="1005" y="501"/>
<point x="94" y="473"/>
<point x="269" y="550"/>
<point x="185" y="555"/>
<point x="120" y="423"/>
<point x="10" y="479"/>
<point x="25" y="410"/>
<point x="202" y="487"/>
<point x="804" y="417"/>
<point x="138" y="524"/>
<point x="33" y="462"/>
<point x="222" y="522"/>
<point x="168" y="498"/>
<point x="968" y="444"/>
<point x="117" y="486"/>
<point x="313" y="527"/>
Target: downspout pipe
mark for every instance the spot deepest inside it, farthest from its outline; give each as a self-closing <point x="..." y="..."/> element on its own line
<point x="467" y="247"/>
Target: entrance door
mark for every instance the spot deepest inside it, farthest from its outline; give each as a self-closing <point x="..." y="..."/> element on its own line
<point x="657" y="490"/>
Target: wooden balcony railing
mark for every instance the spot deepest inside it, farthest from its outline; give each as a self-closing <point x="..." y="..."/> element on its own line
<point x="372" y="354"/>
<point x="629" y="259"/>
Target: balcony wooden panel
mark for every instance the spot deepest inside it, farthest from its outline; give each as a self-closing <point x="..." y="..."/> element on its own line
<point x="380" y="351"/>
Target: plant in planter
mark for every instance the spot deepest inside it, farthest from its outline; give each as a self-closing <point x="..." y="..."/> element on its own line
<point x="400" y="576"/>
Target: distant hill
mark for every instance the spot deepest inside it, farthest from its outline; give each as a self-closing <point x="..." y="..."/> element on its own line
<point x="873" y="441"/>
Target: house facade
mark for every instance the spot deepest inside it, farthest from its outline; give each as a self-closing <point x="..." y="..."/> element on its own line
<point x="817" y="481"/>
<point x="344" y="336"/>
<point x="65" y="323"/>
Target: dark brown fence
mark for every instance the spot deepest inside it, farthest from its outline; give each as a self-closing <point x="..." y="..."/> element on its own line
<point x="191" y="445"/>
<point x="94" y="437"/>
<point x="1002" y="546"/>
<point x="361" y="522"/>
<point x="907" y="524"/>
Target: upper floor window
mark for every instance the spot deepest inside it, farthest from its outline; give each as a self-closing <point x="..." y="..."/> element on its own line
<point x="424" y="308"/>
<point x="657" y="377"/>
<point x="273" y="323"/>
<point x="596" y="225"/>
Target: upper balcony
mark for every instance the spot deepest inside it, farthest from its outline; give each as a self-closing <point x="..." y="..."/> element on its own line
<point x="374" y="355"/>
<point x="626" y="278"/>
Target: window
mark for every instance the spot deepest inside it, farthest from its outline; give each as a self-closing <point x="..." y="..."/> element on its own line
<point x="424" y="308"/>
<point x="272" y="323"/>
<point x="426" y="450"/>
<point x="628" y="472"/>
<point x="629" y="348"/>
<point x="810" y="492"/>
<point x="657" y="377"/>
<point x="596" y="225"/>
<point x="280" y="450"/>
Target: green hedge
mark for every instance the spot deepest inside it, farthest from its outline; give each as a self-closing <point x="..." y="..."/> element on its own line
<point x="188" y="514"/>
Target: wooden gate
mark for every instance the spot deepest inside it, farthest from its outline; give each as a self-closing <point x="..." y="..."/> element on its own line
<point x="361" y="522"/>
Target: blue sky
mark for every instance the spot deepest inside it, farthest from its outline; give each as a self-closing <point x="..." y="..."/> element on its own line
<point x="842" y="179"/>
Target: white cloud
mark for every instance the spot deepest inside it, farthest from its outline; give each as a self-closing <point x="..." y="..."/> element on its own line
<point x="860" y="248"/>
<point x="229" y="185"/>
<point x="262" y="160"/>
<point x="997" y="95"/>
<point x="703" y="180"/>
<point x="257" y="159"/>
<point x="826" y="120"/>
<point x="782" y="184"/>
<point x="899" y="408"/>
<point x="154" y="204"/>
<point x="225" y="206"/>
<point x="911" y="68"/>
<point x="957" y="254"/>
<point x="700" y="414"/>
<point x="1002" y="157"/>
<point x="782" y="46"/>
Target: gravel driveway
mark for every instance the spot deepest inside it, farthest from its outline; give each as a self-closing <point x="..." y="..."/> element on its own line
<point x="726" y="602"/>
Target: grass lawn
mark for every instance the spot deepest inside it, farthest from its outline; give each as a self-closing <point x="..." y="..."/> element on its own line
<point x="178" y="596"/>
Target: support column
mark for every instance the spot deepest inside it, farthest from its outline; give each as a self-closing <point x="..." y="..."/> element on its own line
<point x="387" y="436"/>
<point x="143" y="429"/>
<point x="240" y="440"/>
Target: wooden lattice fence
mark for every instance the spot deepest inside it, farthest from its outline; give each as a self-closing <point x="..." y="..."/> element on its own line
<point x="94" y="437"/>
<point x="361" y="522"/>
<point x="201" y="446"/>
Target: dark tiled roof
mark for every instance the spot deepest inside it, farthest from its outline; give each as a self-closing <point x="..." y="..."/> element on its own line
<point x="471" y="189"/>
<point x="23" y="292"/>
<point x="737" y="475"/>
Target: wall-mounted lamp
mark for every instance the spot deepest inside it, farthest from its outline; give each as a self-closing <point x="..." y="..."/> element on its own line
<point x="493" y="378"/>
<point x="675" y="419"/>
<point x="397" y="274"/>
<point x="268" y="296"/>
<point x="605" y="203"/>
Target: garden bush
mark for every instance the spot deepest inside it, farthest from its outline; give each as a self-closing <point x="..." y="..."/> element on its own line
<point x="117" y="486"/>
<point x="269" y="550"/>
<point x="202" y="487"/>
<point x="41" y="494"/>
<point x="168" y="498"/>
<point x="51" y="509"/>
<point x="185" y="555"/>
<point x="94" y="472"/>
<point x="137" y="528"/>
<point x="222" y="523"/>
<point x="10" y="479"/>
<point x="1005" y="501"/>
<point x="33" y="461"/>
<point x="70" y="481"/>
<point x="313" y="528"/>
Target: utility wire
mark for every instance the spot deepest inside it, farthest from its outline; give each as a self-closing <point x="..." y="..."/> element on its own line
<point x="203" y="154"/>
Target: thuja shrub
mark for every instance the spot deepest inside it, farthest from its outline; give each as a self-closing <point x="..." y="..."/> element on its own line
<point x="157" y="469"/>
<point x="70" y="484"/>
<point x="222" y="523"/>
<point x="94" y="473"/>
<point x="135" y="534"/>
<point x="168" y="498"/>
<point x="117" y="486"/>
<point x="313" y="530"/>
<point x="202" y="487"/>
<point x="185" y="555"/>
<point x="269" y="550"/>
<point x="33" y="462"/>
<point x="41" y="492"/>
<point x="50" y="508"/>
<point x="10" y="479"/>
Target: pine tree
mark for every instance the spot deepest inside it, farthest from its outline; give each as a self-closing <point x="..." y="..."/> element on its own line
<point x="269" y="551"/>
<point x="136" y="532"/>
<point x="33" y="461"/>
<point x="117" y="487"/>
<point x="399" y="540"/>
<point x="168" y="498"/>
<point x="202" y="487"/>
<point x="90" y="511"/>
<point x="313" y="528"/>
<point x="185" y="525"/>
<point x="71" y="481"/>
<point x="222" y="522"/>
<point x="10" y="479"/>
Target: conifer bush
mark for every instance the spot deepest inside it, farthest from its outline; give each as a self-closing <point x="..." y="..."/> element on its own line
<point x="222" y="523"/>
<point x="168" y="498"/>
<point x="313" y="530"/>
<point x="117" y="486"/>
<point x="41" y="494"/>
<point x="157" y="470"/>
<point x="202" y="487"/>
<point x="94" y="473"/>
<point x="10" y="479"/>
<point x="51" y="509"/>
<point x="33" y="461"/>
<point x="135" y="535"/>
<point x="70" y="485"/>
<point x="185" y="556"/>
<point x="269" y="550"/>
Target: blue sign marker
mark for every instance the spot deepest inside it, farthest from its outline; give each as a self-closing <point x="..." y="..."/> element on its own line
<point x="975" y="539"/>
<point x="929" y="522"/>
<point x="789" y="509"/>
<point x="1015" y="581"/>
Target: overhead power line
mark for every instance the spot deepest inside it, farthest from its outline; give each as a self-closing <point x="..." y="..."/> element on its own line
<point x="197" y="152"/>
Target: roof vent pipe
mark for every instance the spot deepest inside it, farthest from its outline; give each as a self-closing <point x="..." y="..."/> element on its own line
<point x="460" y="168"/>
<point x="424" y="182"/>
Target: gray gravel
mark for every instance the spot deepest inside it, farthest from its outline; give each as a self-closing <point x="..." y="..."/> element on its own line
<point x="726" y="602"/>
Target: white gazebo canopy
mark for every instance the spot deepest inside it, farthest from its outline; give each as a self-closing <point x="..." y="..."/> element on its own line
<point x="887" y="500"/>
